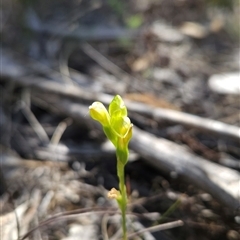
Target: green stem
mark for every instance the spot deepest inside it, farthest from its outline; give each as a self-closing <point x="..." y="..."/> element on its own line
<point x="123" y="203"/>
<point x="170" y="210"/>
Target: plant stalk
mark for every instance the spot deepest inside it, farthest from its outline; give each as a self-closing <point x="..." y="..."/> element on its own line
<point x="123" y="203"/>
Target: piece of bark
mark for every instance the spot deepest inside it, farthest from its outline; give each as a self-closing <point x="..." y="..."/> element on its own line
<point x="220" y="181"/>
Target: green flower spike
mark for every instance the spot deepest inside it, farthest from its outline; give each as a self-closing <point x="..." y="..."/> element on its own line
<point x="116" y="125"/>
<point x="118" y="129"/>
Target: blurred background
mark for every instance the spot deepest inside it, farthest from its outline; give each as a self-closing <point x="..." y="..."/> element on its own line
<point x="175" y="63"/>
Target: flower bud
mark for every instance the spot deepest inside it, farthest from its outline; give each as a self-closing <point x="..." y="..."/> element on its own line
<point x="114" y="194"/>
<point x="117" y="107"/>
<point x="99" y="113"/>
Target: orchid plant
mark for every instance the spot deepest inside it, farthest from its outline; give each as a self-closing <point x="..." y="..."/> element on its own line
<point x="118" y="129"/>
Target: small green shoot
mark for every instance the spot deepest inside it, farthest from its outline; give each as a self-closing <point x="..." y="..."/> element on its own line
<point x="135" y="21"/>
<point x="118" y="129"/>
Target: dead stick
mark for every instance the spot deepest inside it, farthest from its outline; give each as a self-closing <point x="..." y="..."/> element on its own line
<point x="210" y="125"/>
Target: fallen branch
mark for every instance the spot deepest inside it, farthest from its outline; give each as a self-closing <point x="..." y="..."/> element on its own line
<point x="209" y="125"/>
<point x="74" y="91"/>
<point x="221" y="182"/>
